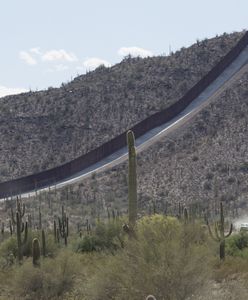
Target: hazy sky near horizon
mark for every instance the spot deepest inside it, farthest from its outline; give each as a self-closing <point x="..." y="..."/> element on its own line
<point x="45" y="43"/>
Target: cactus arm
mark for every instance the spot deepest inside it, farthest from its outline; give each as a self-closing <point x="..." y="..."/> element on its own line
<point x="12" y="216"/>
<point x="23" y="210"/>
<point x="230" y="231"/>
<point x="210" y="233"/>
<point x="20" y="207"/>
<point x="25" y="233"/>
<point x="219" y="238"/>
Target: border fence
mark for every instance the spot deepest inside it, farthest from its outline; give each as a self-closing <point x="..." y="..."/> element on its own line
<point x="51" y="176"/>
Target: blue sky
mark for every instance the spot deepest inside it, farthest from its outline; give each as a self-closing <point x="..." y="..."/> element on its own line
<point x="45" y="43"/>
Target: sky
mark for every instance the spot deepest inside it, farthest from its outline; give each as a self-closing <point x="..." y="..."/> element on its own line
<point x="45" y="43"/>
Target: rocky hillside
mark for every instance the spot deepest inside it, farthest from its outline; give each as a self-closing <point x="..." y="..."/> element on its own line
<point x="40" y="130"/>
<point x="203" y="162"/>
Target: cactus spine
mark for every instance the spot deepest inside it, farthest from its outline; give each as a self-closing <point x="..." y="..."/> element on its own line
<point x="219" y="229"/>
<point x="132" y="179"/>
<point x="36" y="252"/>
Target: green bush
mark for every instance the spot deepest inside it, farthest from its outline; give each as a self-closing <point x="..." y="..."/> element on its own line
<point x="54" y="277"/>
<point x="167" y="258"/>
<point x="8" y="247"/>
<point x="109" y="236"/>
<point x="86" y="244"/>
<point x="237" y="245"/>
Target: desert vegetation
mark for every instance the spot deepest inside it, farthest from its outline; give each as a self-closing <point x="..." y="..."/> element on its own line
<point x="159" y="224"/>
<point x="169" y="255"/>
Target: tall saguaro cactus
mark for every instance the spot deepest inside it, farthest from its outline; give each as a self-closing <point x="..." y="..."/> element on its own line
<point x="20" y="227"/>
<point x="43" y="240"/>
<point x="36" y="252"/>
<point x="132" y="179"/>
<point x="219" y="230"/>
<point x="64" y="226"/>
<point x="20" y="207"/>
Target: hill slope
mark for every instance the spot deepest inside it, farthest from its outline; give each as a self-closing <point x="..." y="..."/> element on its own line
<point x="203" y="162"/>
<point x="54" y="126"/>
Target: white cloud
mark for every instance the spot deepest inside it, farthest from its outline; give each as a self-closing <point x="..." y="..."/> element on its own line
<point x="28" y="58"/>
<point x="59" y="55"/>
<point x="134" y="51"/>
<point x="35" y="50"/>
<point x="4" y="91"/>
<point x="94" y="62"/>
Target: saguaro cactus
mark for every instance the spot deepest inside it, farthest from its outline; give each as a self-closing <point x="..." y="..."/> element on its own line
<point x="20" y="207"/>
<point x="219" y="229"/>
<point x="2" y="228"/>
<point x="132" y="179"/>
<point x="36" y="252"/>
<point x="20" y="227"/>
<point x="64" y="226"/>
<point x="43" y="239"/>
<point x="185" y="215"/>
<point x="40" y="222"/>
<point x="10" y="227"/>
<point x="55" y="231"/>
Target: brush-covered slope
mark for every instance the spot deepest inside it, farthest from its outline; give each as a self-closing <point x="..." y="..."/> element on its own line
<point x="40" y="130"/>
<point x="203" y="162"/>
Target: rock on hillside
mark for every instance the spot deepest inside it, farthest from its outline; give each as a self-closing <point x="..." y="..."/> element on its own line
<point x="40" y="130"/>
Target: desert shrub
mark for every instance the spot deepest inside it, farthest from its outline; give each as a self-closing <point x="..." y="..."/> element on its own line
<point x="110" y="235"/>
<point x="88" y="243"/>
<point x="51" y="247"/>
<point x="55" y="277"/>
<point x="164" y="260"/>
<point x="106" y="236"/>
<point x="231" y="266"/>
<point x="237" y="245"/>
<point x="8" y="248"/>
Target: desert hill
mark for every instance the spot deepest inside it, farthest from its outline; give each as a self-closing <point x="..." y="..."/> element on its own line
<point x="40" y="130"/>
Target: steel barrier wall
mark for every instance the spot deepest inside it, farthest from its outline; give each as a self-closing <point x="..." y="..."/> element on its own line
<point x="51" y="176"/>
